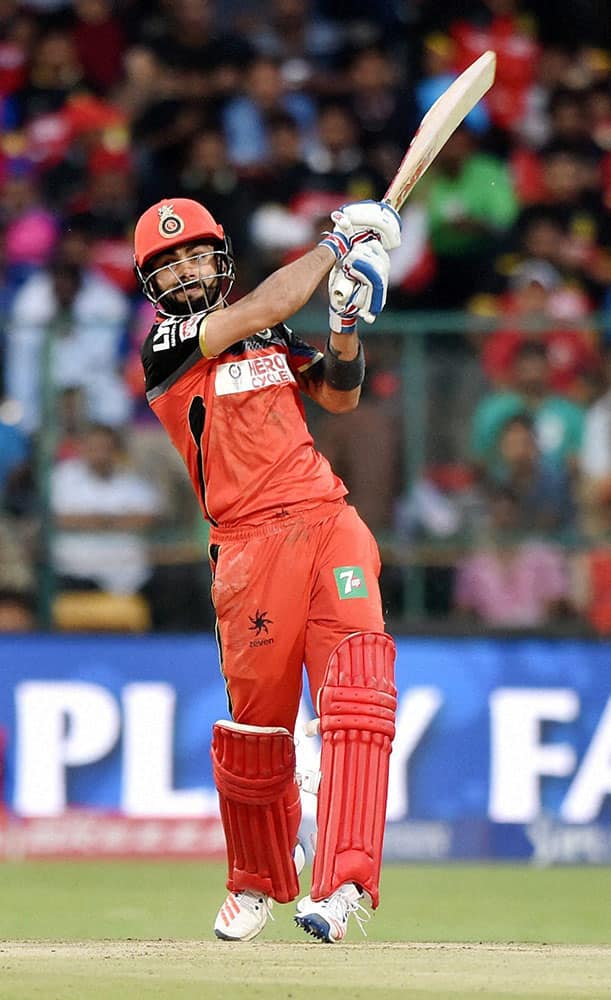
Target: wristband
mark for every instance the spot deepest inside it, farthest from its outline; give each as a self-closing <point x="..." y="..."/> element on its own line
<point x="343" y="375"/>
<point x="342" y="324"/>
<point x="337" y="242"/>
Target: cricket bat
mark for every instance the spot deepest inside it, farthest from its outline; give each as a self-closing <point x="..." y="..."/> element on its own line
<point x="438" y="124"/>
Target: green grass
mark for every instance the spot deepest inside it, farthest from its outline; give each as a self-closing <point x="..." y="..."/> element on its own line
<point x="84" y="900"/>
<point x="79" y="931"/>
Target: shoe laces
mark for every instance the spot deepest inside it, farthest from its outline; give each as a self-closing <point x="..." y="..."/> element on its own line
<point x="251" y="901"/>
<point x="343" y="899"/>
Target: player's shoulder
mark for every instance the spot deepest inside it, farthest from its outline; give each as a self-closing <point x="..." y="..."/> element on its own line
<point x="168" y="346"/>
<point x="167" y="333"/>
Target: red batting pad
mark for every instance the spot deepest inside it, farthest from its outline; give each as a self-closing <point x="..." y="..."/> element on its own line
<point x="357" y="704"/>
<point x="254" y="773"/>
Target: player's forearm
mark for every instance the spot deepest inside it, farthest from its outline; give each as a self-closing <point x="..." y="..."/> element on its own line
<point x="275" y="300"/>
<point x="346" y="346"/>
<point x="345" y="349"/>
<point x="340" y="375"/>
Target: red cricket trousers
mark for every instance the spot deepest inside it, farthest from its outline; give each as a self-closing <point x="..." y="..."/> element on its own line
<point x="285" y="593"/>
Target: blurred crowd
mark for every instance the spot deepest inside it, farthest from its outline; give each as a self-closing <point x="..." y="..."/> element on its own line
<point x="272" y="114"/>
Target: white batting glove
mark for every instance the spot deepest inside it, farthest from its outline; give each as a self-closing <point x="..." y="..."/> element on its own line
<point x="358" y="286"/>
<point x="337" y="242"/>
<point x="360" y="220"/>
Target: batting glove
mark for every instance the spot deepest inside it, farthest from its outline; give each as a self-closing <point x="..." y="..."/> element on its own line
<point x="360" y="220"/>
<point x="358" y="286"/>
<point x="337" y="242"/>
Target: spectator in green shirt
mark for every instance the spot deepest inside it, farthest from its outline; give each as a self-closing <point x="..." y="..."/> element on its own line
<point x="558" y="422"/>
<point x="470" y="205"/>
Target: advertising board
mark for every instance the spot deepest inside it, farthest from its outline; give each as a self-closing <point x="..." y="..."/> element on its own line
<point x="503" y="748"/>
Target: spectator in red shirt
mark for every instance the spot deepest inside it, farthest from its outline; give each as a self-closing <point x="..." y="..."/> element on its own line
<point x="500" y="26"/>
<point x="529" y="312"/>
<point x="99" y="39"/>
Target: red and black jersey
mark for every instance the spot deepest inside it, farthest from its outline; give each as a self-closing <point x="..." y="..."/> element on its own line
<point x="238" y="420"/>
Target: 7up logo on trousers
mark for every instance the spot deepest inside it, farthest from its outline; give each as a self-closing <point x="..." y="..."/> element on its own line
<point x="350" y="582"/>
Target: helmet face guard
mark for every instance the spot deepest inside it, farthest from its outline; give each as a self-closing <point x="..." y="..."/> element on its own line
<point x="162" y="229"/>
<point x="183" y="297"/>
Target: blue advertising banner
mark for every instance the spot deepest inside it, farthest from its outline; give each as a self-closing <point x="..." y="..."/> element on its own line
<point x="503" y="747"/>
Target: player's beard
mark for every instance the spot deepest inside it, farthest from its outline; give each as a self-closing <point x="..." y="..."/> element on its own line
<point x="195" y="298"/>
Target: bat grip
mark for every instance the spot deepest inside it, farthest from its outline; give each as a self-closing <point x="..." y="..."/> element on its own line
<point x="342" y="290"/>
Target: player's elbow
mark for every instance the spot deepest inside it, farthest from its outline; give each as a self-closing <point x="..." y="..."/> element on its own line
<point x="341" y="401"/>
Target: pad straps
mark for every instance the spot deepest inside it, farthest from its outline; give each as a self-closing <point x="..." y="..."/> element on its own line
<point x="357" y="702"/>
<point x="254" y="772"/>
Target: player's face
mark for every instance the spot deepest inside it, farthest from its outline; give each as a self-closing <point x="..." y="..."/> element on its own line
<point x="191" y="264"/>
<point x="187" y="278"/>
<point x="194" y="277"/>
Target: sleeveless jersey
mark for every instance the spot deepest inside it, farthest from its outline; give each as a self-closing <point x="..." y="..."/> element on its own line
<point x="238" y="421"/>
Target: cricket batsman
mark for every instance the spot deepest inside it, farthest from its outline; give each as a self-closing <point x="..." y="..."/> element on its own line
<point x="295" y="570"/>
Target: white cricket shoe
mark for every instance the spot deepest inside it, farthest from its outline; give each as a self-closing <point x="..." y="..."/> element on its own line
<point x="327" y="919"/>
<point x="243" y="915"/>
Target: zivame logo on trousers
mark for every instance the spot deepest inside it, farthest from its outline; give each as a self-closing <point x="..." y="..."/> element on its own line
<point x="259" y="625"/>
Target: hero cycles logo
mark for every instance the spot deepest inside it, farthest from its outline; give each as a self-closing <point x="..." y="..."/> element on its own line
<point x="252" y="373"/>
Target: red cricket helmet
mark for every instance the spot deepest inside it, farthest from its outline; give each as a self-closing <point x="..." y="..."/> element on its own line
<point x="171" y="223"/>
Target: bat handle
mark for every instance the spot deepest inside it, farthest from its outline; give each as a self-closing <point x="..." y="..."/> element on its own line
<point x="342" y="290"/>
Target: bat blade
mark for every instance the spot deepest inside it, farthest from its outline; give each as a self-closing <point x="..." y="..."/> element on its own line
<point x="438" y="124"/>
